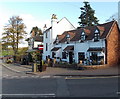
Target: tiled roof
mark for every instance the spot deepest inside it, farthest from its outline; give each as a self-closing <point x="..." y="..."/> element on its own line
<point x="101" y="29"/>
<point x="89" y="32"/>
<point x="68" y="48"/>
<point x="38" y="38"/>
<point x="60" y="37"/>
<point x="55" y="49"/>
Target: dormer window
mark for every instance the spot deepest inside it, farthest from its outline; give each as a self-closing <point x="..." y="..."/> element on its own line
<point x="96" y="31"/>
<point x="96" y="35"/>
<point x="68" y="38"/>
<point x="82" y="36"/>
<point x="57" y="41"/>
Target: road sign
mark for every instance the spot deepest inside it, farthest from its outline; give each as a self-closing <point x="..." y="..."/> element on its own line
<point x="40" y="47"/>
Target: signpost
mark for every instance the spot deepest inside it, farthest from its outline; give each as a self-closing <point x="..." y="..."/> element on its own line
<point x="40" y="48"/>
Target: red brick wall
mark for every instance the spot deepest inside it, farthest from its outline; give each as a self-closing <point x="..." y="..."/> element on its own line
<point x="113" y="46"/>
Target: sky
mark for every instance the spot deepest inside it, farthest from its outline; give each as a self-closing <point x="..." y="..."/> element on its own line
<point x="39" y="13"/>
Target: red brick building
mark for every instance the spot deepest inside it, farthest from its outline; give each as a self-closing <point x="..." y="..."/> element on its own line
<point x="113" y="45"/>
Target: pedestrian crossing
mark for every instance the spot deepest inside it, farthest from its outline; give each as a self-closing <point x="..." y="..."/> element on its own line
<point x="28" y="76"/>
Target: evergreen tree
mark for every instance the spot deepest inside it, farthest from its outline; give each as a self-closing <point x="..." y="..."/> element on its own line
<point x="37" y="31"/>
<point x="87" y="17"/>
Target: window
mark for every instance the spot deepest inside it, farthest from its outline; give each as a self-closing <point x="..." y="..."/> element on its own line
<point x="81" y="56"/>
<point x="46" y="46"/>
<point x="82" y="36"/>
<point x="46" y="57"/>
<point x="46" y="35"/>
<point x="53" y="54"/>
<point x="64" y="55"/>
<point x="96" y="36"/>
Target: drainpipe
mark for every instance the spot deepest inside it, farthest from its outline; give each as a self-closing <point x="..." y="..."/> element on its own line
<point x="105" y="52"/>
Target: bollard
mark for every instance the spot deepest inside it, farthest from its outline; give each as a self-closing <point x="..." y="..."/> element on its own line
<point x="35" y="67"/>
<point x="42" y="62"/>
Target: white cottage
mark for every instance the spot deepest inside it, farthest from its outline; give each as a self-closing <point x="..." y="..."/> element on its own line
<point x="90" y="45"/>
<point x="49" y="34"/>
<point x="34" y="41"/>
<point x="99" y="44"/>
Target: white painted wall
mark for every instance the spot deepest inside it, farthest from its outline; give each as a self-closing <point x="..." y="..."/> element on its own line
<point x="101" y="43"/>
<point x="57" y="29"/>
<point x="79" y="47"/>
<point x="46" y="40"/>
<point x="83" y="47"/>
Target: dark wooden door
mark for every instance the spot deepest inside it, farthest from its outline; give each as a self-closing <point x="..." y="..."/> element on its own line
<point x="70" y="57"/>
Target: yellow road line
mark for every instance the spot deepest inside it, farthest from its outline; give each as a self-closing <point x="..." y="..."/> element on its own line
<point x="90" y="77"/>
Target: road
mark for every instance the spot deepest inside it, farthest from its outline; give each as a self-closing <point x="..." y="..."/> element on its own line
<point x="25" y="85"/>
<point x="9" y="73"/>
<point x="0" y="80"/>
<point x="97" y="87"/>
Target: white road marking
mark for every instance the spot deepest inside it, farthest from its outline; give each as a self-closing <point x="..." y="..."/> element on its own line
<point x="23" y="76"/>
<point x="118" y="93"/>
<point x="46" y="76"/>
<point x="14" y="77"/>
<point x="33" y="95"/>
<point x="32" y="76"/>
<point x="11" y="69"/>
<point x="56" y="76"/>
<point x="5" y="76"/>
<point x="36" y="76"/>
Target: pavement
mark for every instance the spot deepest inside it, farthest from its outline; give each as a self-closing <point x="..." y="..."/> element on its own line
<point x="55" y="71"/>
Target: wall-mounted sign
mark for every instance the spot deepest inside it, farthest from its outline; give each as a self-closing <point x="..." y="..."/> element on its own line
<point x="40" y="47"/>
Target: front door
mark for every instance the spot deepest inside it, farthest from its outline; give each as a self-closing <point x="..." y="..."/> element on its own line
<point x="81" y="56"/>
<point x="70" y="57"/>
<point x="94" y="58"/>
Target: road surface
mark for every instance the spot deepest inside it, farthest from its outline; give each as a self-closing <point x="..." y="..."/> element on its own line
<point x="25" y="85"/>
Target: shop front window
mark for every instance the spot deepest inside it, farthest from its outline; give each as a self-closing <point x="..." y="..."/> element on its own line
<point x="64" y="55"/>
<point x="81" y="56"/>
